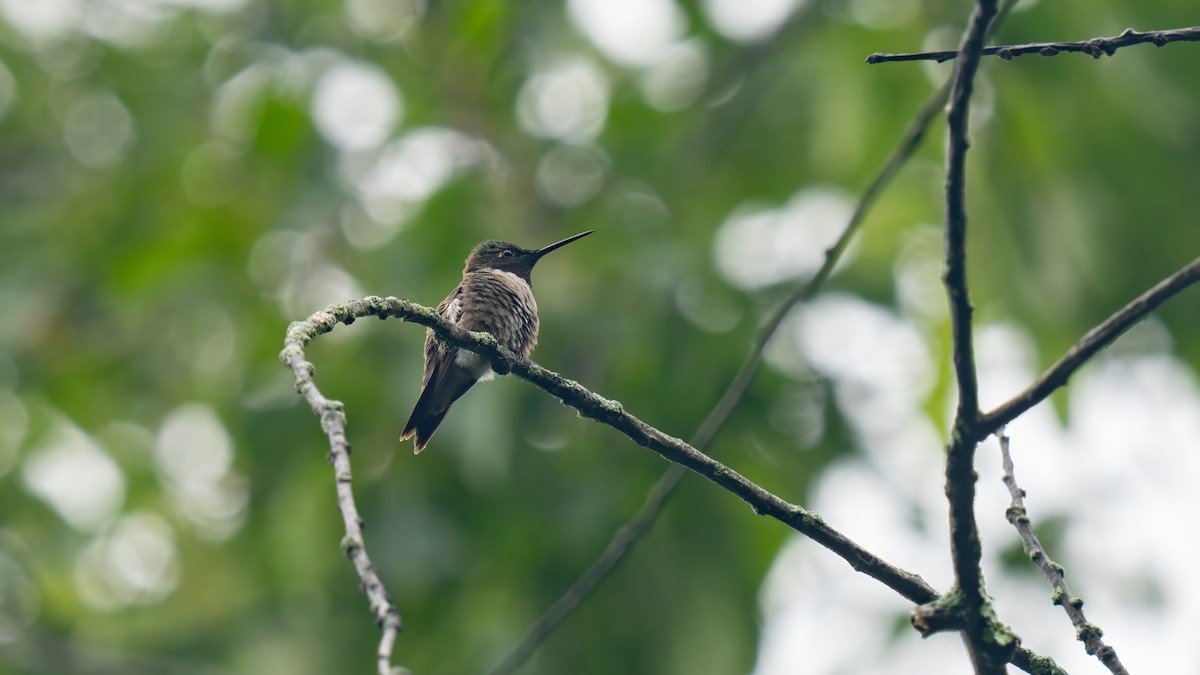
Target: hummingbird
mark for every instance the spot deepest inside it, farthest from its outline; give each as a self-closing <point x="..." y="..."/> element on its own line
<point x="495" y="297"/>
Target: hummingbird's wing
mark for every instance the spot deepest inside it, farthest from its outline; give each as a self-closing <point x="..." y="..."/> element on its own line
<point x="447" y="383"/>
<point x="444" y="381"/>
<point x="451" y="310"/>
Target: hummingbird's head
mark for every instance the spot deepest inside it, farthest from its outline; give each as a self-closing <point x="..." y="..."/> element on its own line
<point x="501" y="255"/>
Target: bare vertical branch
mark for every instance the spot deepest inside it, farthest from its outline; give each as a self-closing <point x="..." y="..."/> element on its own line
<point x="954" y="274"/>
<point x="967" y="609"/>
<point x="1088" y="633"/>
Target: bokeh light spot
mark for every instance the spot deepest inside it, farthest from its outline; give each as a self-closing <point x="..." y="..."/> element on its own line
<point x="194" y="456"/>
<point x="567" y="101"/>
<point x="193" y="445"/>
<point x="14" y="427"/>
<point x="98" y="131"/>
<point x="417" y="165"/>
<point x="758" y="247"/>
<point x="272" y="258"/>
<point x="72" y="474"/>
<point x="127" y="23"/>
<point x="237" y="102"/>
<point x="136" y="563"/>
<point x="917" y="271"/>
<point x="355" y="106"/>
<point x="8" y="89"/>
<point x="676" y="80"/>
<point x="42" y="19"/>
<point x="749" y="20"/>
<point x="883" y="14"/>
<point x="383" y="20"/>
<point x="20" y="602"/>
<point x="569" y="175"/>
<point x="212" y="174"/>
<point x="877" y="360"/>
<point x="629" y="32"/>
<point x="707" y="307"/>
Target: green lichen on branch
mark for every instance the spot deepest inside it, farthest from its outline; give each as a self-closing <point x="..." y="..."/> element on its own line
<point x="1044" y="665"/>
<point x="954" y="611"/>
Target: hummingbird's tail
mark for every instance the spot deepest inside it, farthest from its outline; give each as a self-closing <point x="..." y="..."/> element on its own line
<point x="421" y="426"/>
<point x="446" y="384"/>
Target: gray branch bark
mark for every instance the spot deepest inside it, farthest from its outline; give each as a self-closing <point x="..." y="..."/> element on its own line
<point x="1088" y="633"/>
<point x="967" y="608"/>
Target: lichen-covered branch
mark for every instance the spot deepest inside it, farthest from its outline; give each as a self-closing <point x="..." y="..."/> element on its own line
<point x="611" y="413"/>
<point x="592" y="406"/>
<point x="1095" y="47"/>
<point x="1088" y="633"/>
<point x="333" y="422"/>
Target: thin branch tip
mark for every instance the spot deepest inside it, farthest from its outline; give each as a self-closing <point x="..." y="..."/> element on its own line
<point x="1089" y="345"/>
<point x="1093" y="47"/>
<point x="1088" y="633"/>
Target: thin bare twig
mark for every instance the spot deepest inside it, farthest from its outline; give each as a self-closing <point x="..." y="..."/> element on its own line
<point x="1095" y="47"/>
<point x="1088" y="633"/>
<point x="1096" y="339"/>
<point x="592" y="406"/>
<point x="333" y="422"/>
<point x="989" y="643"/>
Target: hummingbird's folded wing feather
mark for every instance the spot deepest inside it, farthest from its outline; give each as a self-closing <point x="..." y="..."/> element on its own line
<point x="446" y="383"/>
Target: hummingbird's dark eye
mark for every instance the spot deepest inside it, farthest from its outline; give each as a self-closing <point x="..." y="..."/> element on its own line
<point x="505" y="253"/>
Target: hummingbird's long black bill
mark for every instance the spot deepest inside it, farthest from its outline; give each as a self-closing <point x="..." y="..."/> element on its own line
<point x="559" y="244"/>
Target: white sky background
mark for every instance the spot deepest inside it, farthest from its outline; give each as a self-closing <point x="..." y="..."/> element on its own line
<point x="1121" y="475"/>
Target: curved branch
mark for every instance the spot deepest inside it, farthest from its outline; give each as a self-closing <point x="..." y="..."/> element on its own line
<point x="333" y="422"/>
<point x="1095" y="47"/>
<point x="590" y="405"/>
<point x="611" y="413"/>
<point x="1088" y="633"/>
<point x="1096" y="339"/>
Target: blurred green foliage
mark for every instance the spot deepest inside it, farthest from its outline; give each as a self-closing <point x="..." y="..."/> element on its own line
<point x="155" y="264"/>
